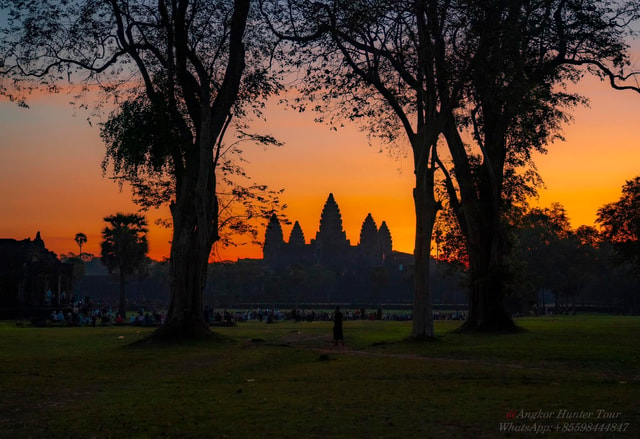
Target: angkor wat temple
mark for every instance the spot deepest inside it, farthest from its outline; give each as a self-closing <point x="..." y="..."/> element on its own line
<point x="330" y="247"/>
<point x="369" y="271"/>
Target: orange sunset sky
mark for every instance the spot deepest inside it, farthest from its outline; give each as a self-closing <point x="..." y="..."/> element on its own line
<point x="51" y="181"/>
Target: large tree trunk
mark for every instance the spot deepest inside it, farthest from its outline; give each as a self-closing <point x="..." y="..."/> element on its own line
<point x="426" y="208"/>
<point x="122" y="307"/>
<point x="188" y="277"/>
<point x="188" y="269"/>
<point x="195" y="229"/>
<point x="478" y="212"/>
<point x="195" y="212"/>
<point x="485" y="250"/>
<point x="486" y="297"/>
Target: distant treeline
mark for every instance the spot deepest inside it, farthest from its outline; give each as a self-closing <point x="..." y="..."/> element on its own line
<point x="250" y="283"/>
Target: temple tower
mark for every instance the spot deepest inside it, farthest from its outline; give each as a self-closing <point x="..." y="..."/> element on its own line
<point x="298" y="252"/>
<point x="384" y="237"/>
<point x="273" y="240"/>
<point x="331" y="240"/>
<point x="296" y="237"/>
<point x="369" y="247"/>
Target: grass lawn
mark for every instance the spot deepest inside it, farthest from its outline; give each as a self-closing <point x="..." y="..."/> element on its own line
<point x="288" y="380"/>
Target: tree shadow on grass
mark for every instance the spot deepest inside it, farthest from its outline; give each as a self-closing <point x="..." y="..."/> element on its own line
<point x="160" y="338"/>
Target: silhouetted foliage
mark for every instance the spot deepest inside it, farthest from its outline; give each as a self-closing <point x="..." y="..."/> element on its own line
<point x="81" y="239"/>
<point x="124" y="249"/>
<point x="620" y="223"/>
<point x="138" y="138"/>
<point x="492" y="72"/>
<point x="183" y="71"/>
<point x="514" y="104"/>
<point x="366" y="61"/>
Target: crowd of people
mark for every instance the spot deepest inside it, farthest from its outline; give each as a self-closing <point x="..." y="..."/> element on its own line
<point x="455" y="315"/>
<point x="267" y="315"/>
<point x="83" y="312"/>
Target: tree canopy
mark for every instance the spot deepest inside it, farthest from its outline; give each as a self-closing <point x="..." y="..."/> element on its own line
<point x="488" y="77"/>
<point x="81" y="239"/>
<point x="620" y="222"/>
<point x="124" y="248"/>
<point x="181" y="73"/>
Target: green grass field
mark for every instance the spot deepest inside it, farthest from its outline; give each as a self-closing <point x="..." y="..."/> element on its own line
<point x="288" y="380"/>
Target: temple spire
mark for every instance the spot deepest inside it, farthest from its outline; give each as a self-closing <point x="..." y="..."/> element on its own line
<point x="369" y="246"/>
<point x="384" y="237"/>
<point x="331" y="232"/>
<point x="273" y="239"/>
<point x="331" y="244"/>
<point x="296" y="237"/>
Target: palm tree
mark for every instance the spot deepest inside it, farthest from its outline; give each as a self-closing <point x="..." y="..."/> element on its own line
<point x="124" y="248"/>
<point x="80" y="239"/>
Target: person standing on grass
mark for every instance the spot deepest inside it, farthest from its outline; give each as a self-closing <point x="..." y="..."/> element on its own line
<point x="337" y="327"/>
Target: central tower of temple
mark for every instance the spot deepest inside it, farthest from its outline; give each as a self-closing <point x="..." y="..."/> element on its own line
<point x="331" y="243"/>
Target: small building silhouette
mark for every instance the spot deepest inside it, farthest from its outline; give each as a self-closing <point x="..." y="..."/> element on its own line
<point x="31" y="275"/>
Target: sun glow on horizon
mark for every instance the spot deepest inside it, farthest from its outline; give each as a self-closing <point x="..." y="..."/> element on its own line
<point x="51" y="181"/>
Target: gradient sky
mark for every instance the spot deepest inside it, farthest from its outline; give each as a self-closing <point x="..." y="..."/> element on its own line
<point x="51" y="181"/>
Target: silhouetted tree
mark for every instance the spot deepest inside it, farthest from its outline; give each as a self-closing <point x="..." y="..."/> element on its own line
<point x="373" y="58"/>
<point x="192" y="66"/>
<point x="80" y="239"/>
<point x="491" y="71"/>
<point x="448" y="238"/>
<point x="549" y="255"/>
<point x="79" y="271"/>
<point x="614" y="283"/>
<point x="514" y="103"/>
<point x="539" y="235"/>
<point x="124" y="249"/>
<point x="620" y="222"/>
